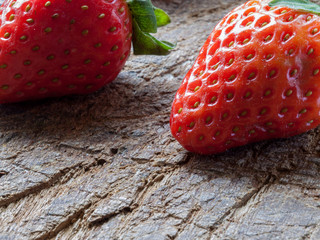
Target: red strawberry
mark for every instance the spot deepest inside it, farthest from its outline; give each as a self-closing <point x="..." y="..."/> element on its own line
<point x="257" y="77"/>
<point x="60" y="47"/>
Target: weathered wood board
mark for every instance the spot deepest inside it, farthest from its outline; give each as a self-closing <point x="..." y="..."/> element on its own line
<point x="105" y="166"/>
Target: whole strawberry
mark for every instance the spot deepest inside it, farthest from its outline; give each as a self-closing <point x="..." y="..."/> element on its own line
<point x="257" y="77"/>
<point x="59" y="47"/>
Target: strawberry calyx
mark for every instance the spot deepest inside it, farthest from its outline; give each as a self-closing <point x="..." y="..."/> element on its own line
<point x="146" y="19"/>
<point x="303" y="5"/>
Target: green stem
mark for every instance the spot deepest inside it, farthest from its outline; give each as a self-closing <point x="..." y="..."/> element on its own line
<point x="146" y="19"/>
<point x="303" y="5"/>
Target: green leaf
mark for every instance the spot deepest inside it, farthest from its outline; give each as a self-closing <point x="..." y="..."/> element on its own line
<point x="162" y="17"/>
<point x="145" y="44"/>
<point x="303" y="5"/>
<point x="143" y="12"/>
<point x="146" y="19"/>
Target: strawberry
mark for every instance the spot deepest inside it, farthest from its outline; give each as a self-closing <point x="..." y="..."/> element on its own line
<point x="60" y="47"/>
<point x="257" y="77"/>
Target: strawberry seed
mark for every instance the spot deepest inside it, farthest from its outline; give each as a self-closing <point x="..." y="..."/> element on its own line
<point x="252" y="132"/>
<point x="17" y="76"/>
<point x="247" y="95"/>
<point x="272" y="73"/>
<point x="84" y="7"/>
<point x="48" y="29"/>
<point x="263" y="111"/>
<point x="290" y="51"/>
<point x="314" y="31"/>
<point x="28" y="7"/>
<point x="246" y="41"/>
<point x="213" y="99"/>
<point x="286" y="37"/>
<point x="235" y="129"/>
<point x="225" y="115"/>
<point x="27" y="62"/>
<point x="311" y="50"/>
<point x="56" y="15"/>
<point x="293" y="72"/>
<point x="114" y="48"/>
<point x="269" y="56"/>
<point x="23" y="38"/>
<point x="252" y="75"/>
<point x="35" y="48"/>
<point x="5" y="87"/>
<point x="6" y="35"/>
<point x="267" y="38"/>
<point x="102" y="15"/>
<point x="80" y="76"/>
<point x="85" y="32"/>
<point x="289" y="92"/>
<point x="30" y="20"/>
<point x="267" y="93"/>
<point x="303" y="111"/>
<point x="65" y="67"/>
<point x="232" y="77"/>
<point x="112" y="29"/>
<point x="229" y="96"/>
<point x="268" y="124"/>
<point x="250" y="56"/>
<point x="50" y="57"/>
<point x="244" y="113"/>
<point x="309" y="93"/>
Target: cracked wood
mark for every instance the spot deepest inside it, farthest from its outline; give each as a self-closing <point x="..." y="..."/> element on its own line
<point x="105" y="166"/>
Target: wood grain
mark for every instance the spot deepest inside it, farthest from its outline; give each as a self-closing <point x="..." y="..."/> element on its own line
<point x="105" y="166"/>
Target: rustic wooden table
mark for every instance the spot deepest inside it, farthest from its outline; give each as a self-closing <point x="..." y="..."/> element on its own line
<point x="105" y="166"/>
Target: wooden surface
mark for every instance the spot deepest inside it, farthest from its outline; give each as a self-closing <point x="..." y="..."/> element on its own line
<point x="105" y="166"/>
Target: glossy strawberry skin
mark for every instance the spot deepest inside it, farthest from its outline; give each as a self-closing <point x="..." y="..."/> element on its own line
<point x="60" y="47"/>
<point x="256" y="77"/>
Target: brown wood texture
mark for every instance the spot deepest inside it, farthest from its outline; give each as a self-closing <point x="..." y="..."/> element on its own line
<point x="105" y="166"/>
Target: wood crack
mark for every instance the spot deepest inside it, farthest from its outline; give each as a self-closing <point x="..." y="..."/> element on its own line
<point x="243" y="202"/>
<point x="70" y="220"/>
<point x="52" y="180"/>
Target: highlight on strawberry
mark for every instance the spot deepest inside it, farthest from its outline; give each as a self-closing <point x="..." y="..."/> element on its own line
<point x="60" y="47"/>
<point x="257" y="77"/>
